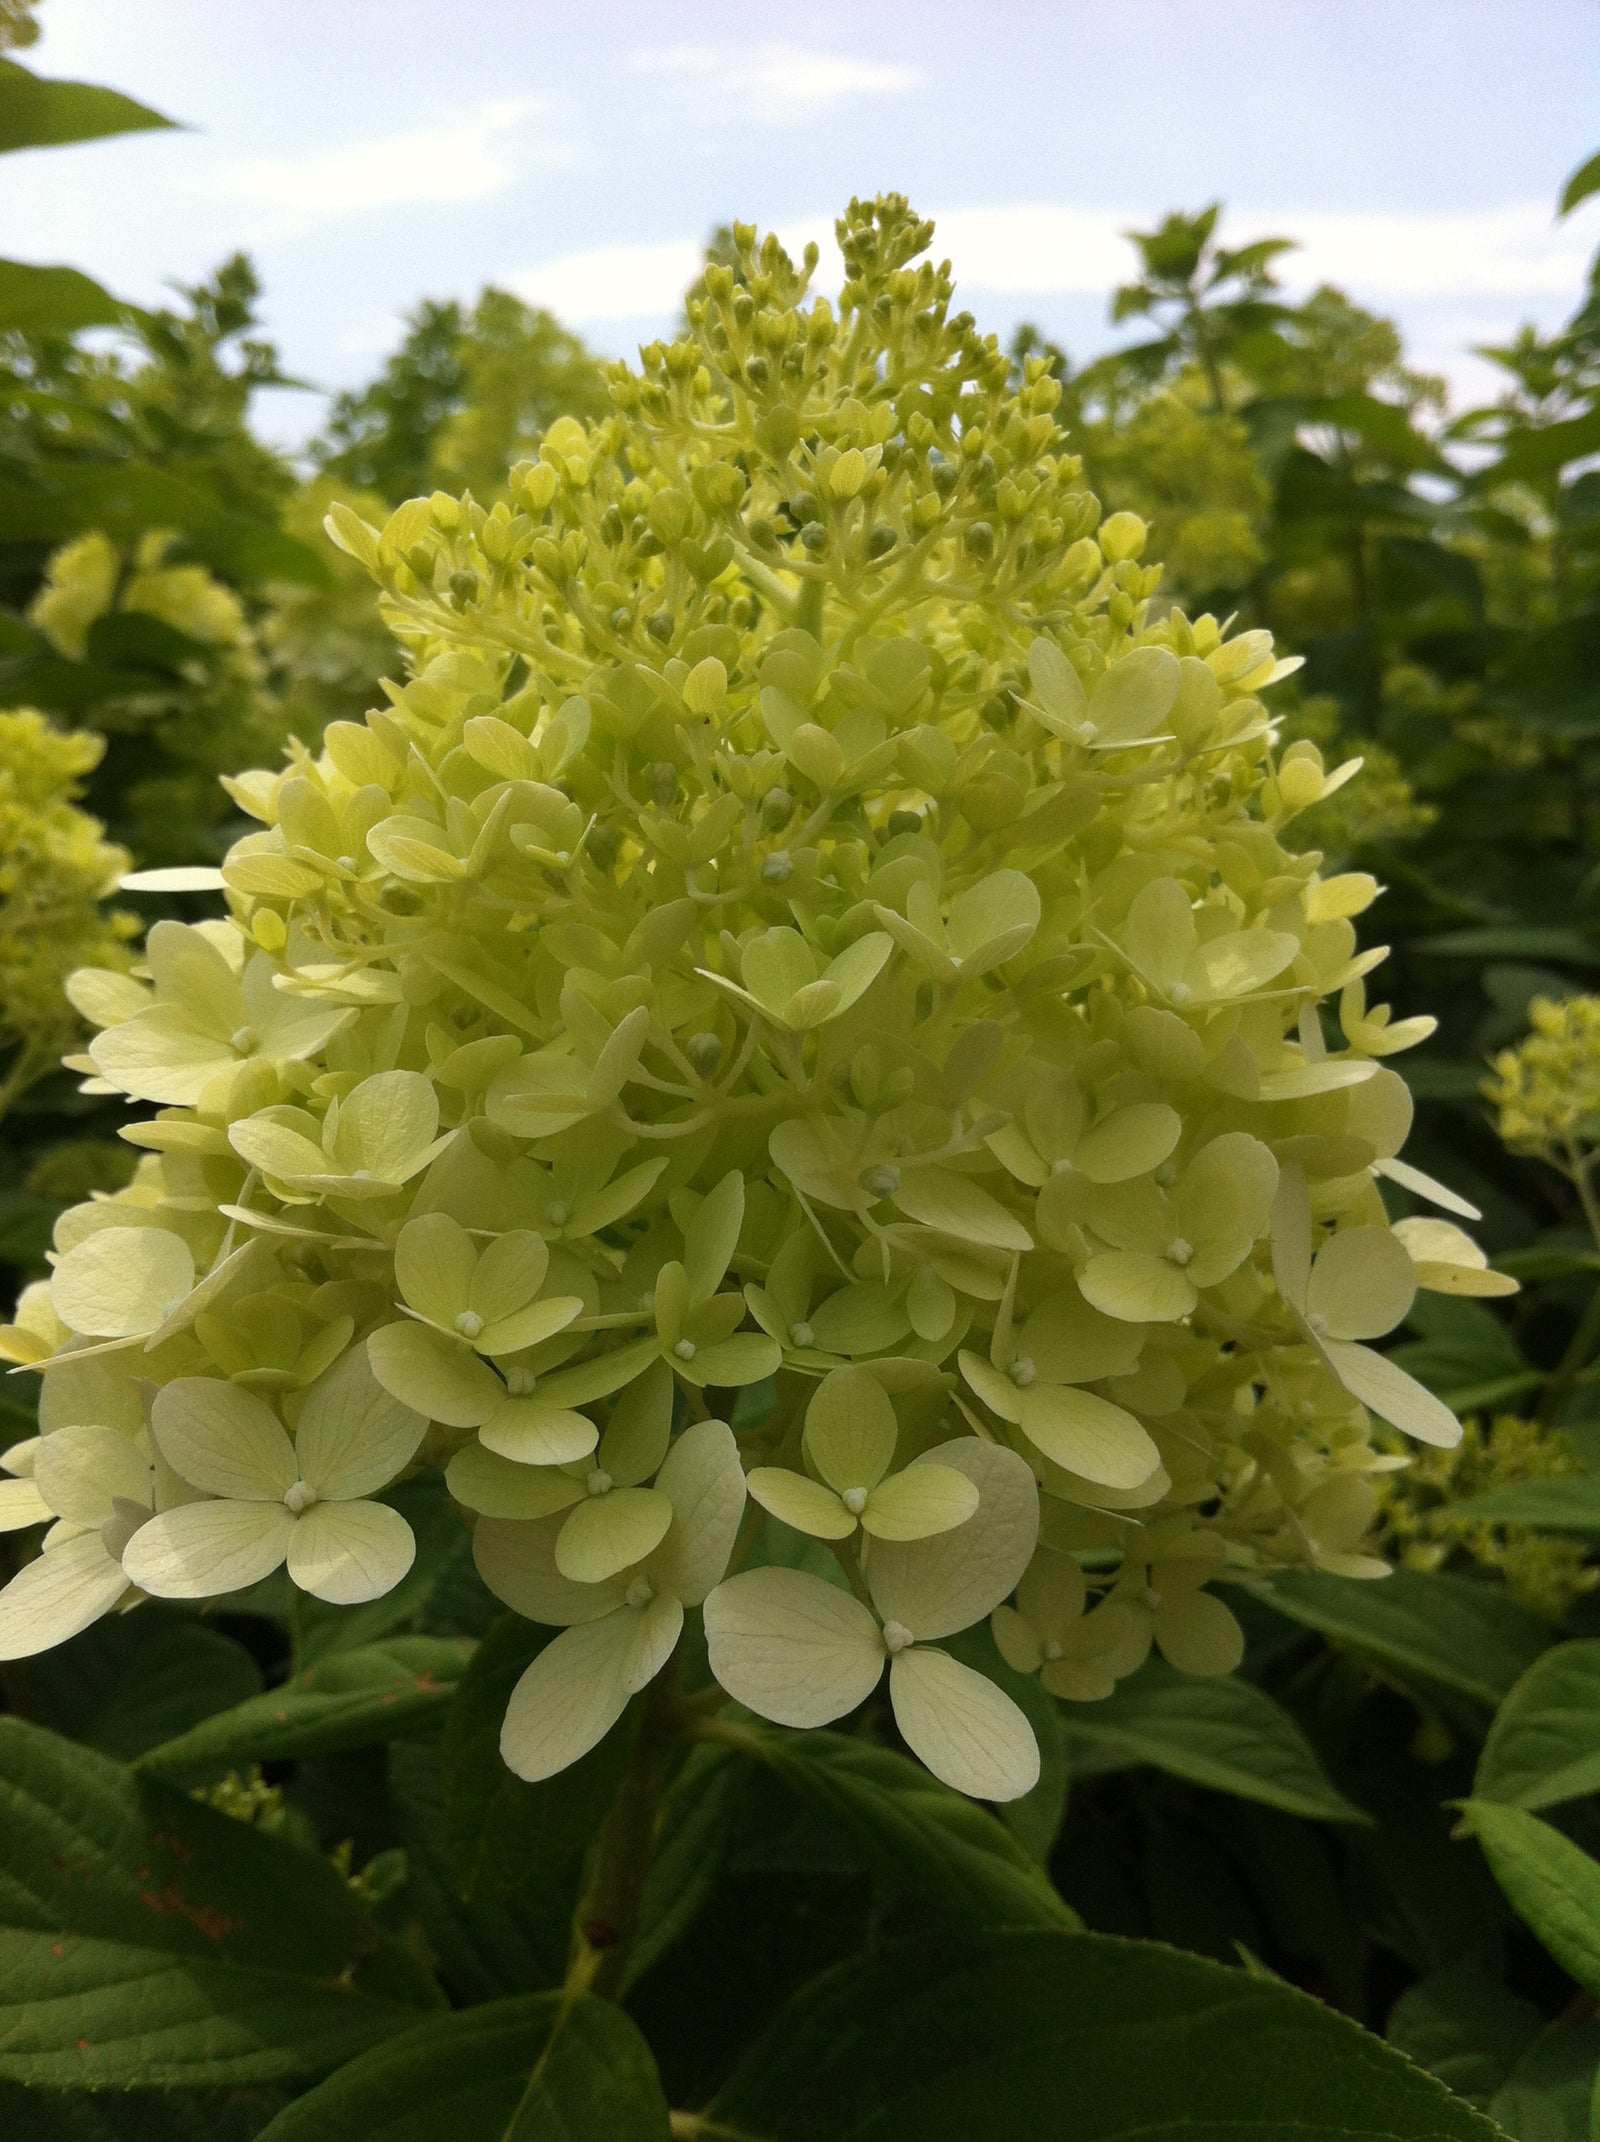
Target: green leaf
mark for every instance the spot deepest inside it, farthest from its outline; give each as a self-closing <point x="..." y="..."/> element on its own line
<point x="925" y="1841"/>
<point x="501" y="1832"/>
<point x="514" y="2071"/>
<point x="136" y="2116"/>
<point x="54" y="301"/>
<point x="1544" y="1744"/>
<point x="1464" y="2027"/>
<point x="482" y="1947"/>
<point x="1462" y="1634"/>
<point x="1057" y="2037"/>
<point x="683" y="1869"/>
<point x="1569" y="1503"/>
<point x="1227" y="1734"/>
<point x="347" y="1700"/>
<point x="1552" y="1886"/>
<point x="36" y="113"/>
<point x="137" y="1679"/>
<point x="1549" y="2094"/>
<point x="128" y="639"/>
<point x="1583" y="182"/>
<point x="145" y="1940"/>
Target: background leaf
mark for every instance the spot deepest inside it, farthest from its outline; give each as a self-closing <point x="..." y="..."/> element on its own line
<point x="515" y="2071"/>
<point x="1544" y="1743"/>
<point x="145" y="1940"/>
<point x="1038" y="2037"/>
<point x="1464" y="1635"/>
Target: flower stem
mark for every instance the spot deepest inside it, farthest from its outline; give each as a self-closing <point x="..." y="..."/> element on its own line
<point x="607" y="1917"/>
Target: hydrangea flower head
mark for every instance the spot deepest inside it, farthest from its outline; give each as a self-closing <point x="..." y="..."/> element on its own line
<point x="811" y="924"/>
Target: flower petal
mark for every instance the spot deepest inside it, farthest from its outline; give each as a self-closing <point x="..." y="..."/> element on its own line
<point x="121" y="1282"/>
<point x="81" y="1472"/>
<point x="500" y="1487"/>
<point x="22" y="1505"/>
<point x="921" y="1501"/>
<point x="1138" y="1287"/>
<point x="704" y="1481"/>
<point x="57" y="1595"/>
<point x="968" y="1732"/>
<point x="509" y="1275"/>
<point x="434" y="1260"/>
<point x="850" y="1430"/>
<point x="353" y="1437"/>
<point x="441" y="1377"/>
<point x="206" y="1548"/>
<point x="804" y="1504"/>
<point x="936" y="1586"/>
<point x="571" y="1696"/>
<point x="605" y="1534"/>
<point x="1362" y="1284"/>
<point x="223" y="1439"/>
<point x="792" y="1647"/>
<point x="1088" y="1436"/>
<point x="529" y="1432"/>
<point x="1394" y="1396"/>
<point x="346" y="1552"/>
<point x="518" y="1563"/>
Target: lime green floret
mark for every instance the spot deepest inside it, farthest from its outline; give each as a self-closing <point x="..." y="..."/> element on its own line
<point x="811" y="923"/>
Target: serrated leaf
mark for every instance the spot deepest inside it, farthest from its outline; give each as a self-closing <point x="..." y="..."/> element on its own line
<point x="1064" y="2037"/>
<point x="1462" y="1634"/>
<point x="350" y="1699"/>
<point x="148" y="1941"/>
<point x="135" y="1680"/>
<point x="1225" y="1733"/>
<point x="927" y="1843"/>
<point x="529" y="2070"/>
<point x="1544" y="1743"/>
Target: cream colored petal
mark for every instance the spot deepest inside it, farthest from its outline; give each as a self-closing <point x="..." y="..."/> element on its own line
<point x="921" y="1501"/>
<point x="1291" y="1236"/>
<point x="1131" y="1141"/>
<point x="791" y="1647"/>
<point x="22" y="1505"/>
<point x="1361" y="1285"/>
<point x="1016" y="1640"/>
<point x="442" y="1378"/>
<point x="1052" y="1594"/>
<point x="804" y="1504"/>
<point x="1139" y="1288"/>
<point x="1197" y="1633"/>
<point x="1069" y="1342"/>
<point x="121" y="1281"/>
<point x="850" y="1429"/>
<point x="660" y="1626"/>
<point x="634" y="1446"/>
<point x="605" y="1534"/>
<point x="434" y="1261"/>
<point x="386" y="1125"/>
<point x="518" y="1563"/>
<point x="161" y="1056"/>
<point x="510" y="1273"/>
<point x="529" y="1433"/>
<point x="712" y="1235"/>
<point x="223" y="1439"/>
<point x="704" y="1481"/>
<point x="207" y="1548"/>
<point x="353" y="1437"/>
<point x="346" y="1552"/>
<point x="500" y="1487"/>
<point x="1087" y="1435"/>
<point x="1394" y="1396"/>
<point x="529" y="1326"/>
<point x="571" y="1696"/>
<point x="937" y="1586"/>
<point x="57" y="1595"/>
<point x="81" y="1472"/>
<point x="968" y="1732"/>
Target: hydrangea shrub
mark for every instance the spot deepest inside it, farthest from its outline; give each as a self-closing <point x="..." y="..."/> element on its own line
<point x="796" y="1061"/>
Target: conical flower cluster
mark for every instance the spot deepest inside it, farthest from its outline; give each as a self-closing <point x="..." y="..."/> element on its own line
<point x="814" y="946"/>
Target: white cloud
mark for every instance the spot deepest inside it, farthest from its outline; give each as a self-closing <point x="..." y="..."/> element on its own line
<point x="463" y="158"/>
<point x="773" y="83"/>
<point x="613" y="282"/>
<point x="1036" y="250"/>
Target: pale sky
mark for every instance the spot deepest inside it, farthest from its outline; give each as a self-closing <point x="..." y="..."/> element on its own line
<point x="373" y="152"/>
